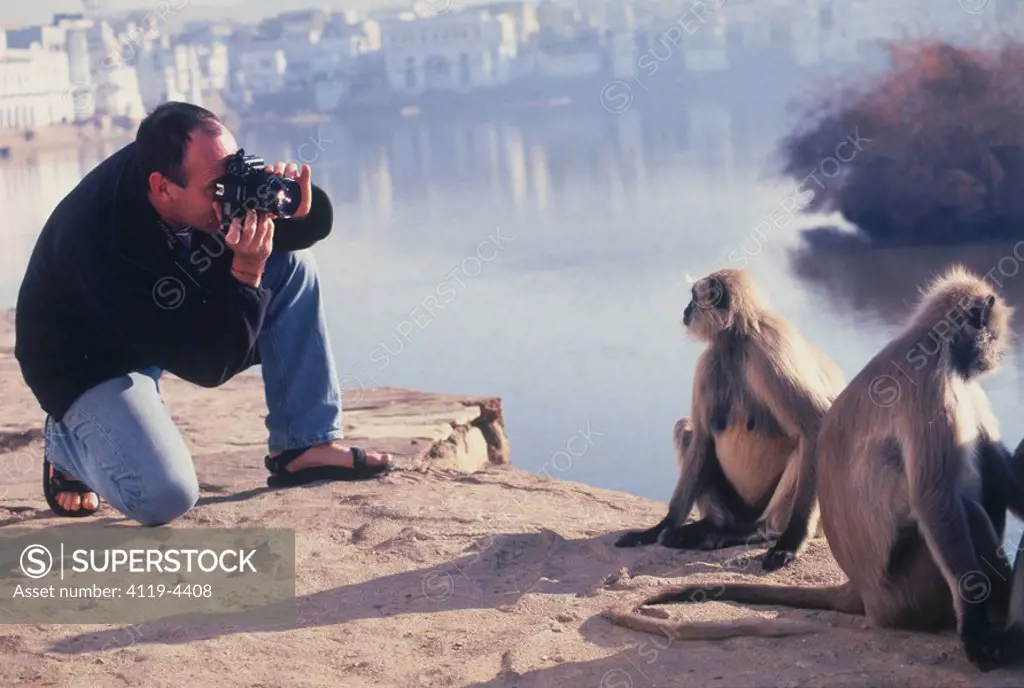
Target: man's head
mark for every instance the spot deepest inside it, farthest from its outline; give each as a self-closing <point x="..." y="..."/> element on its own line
<point x="183" y="150"/>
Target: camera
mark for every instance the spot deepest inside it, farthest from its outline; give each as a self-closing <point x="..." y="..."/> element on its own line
<point x="247" y="186"/>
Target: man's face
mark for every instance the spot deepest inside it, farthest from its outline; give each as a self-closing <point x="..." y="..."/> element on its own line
<point x="205" y="162"/>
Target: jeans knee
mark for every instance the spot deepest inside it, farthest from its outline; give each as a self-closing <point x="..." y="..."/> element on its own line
<point x="304" y="268"/>
<point x="166" y="501"/>
<point x="291" y="272"/>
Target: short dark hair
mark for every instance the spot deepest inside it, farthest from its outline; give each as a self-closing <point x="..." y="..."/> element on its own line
<point x="163" y="137"/>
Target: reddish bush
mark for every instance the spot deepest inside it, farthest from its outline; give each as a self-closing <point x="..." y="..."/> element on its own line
<point x="944" y="156"/>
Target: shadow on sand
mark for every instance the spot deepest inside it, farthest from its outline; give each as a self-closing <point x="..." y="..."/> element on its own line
<point x="497" y="573"/>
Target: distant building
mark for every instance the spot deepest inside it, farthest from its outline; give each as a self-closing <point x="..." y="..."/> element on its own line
<point x="524" y="12"/>
<point x="261" y="68"/>
<point x="619" y="16"/>
<point x="171" y="72"/>
<point x="34" y="83"/>
<point x="346" y="39"/>
<point x="48" y="37"/>
<point x="705" y="44"/>
<point x="296" y="36"/>
<point x="451" y="51"/>
<point x="76" y="30"/>
<point x="348" y="62"/>
<point x="114" y="81"/>
<point x="555" y="19"/>
<point x="214" y="64"/>
<point x="210" y="41"/>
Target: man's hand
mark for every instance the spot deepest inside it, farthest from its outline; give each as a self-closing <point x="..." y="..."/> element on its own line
<point x="252" y="240"/>
<point x="291" y="170"/>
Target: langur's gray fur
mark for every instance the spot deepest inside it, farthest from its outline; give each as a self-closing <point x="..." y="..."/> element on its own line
<point x="911" y="483"/>
<point x="745" y="454"/>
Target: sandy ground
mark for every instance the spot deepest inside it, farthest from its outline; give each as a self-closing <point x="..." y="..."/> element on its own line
<point x="436" y="576"/>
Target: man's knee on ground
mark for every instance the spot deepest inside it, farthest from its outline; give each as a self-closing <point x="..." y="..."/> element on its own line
<point x="166" y="500"/>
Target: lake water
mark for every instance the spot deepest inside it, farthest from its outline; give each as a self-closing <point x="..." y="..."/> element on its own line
<point x="543" y="258"/>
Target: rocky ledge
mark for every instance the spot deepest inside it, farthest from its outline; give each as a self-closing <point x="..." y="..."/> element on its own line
<point x="457" y="570"/>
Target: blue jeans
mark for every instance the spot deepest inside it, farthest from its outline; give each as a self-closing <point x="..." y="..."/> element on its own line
<point x="120" y="440"/>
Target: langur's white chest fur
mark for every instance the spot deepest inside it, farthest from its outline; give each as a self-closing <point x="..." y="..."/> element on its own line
<point x="967" y="436"/>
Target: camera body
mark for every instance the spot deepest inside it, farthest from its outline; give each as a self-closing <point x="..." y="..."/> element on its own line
<point x="247" y="186"/>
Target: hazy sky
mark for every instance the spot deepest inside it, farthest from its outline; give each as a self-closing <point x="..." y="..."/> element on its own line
<point x="40" y="11"/>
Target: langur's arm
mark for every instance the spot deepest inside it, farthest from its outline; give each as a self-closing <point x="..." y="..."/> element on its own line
<point x="1000" y="477"/>
<point x="798" y="409"/>
<point x="932" y="463"/>
<point x="693" y="477"/>
<point x="682" y="440"/>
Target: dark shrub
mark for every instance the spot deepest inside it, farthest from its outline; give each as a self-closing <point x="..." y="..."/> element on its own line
<point x="942" y="152"/>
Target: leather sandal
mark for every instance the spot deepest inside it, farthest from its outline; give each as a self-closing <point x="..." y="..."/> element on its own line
<point x="55" y="482"/>
<point x="360" y="469"/>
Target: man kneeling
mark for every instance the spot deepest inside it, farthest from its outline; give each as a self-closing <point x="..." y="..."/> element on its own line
<point x="130" y="277"/>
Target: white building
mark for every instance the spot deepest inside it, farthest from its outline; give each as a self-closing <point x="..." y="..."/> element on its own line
<point x="619" y="16"/>
<point x="34" y="86"/>
<point x="451" y="51"/>
<point x="76" y="29"/>
<point x="297" y="34"/>
<point x="304" y="25"/>
<point x="705" y="43"/>
<point x="317" y="46"/>
<point x="114" y="81"/>
<point x="215" y="65"/>
<point x="171" y="73"/>
<point x="523" y="13"/>
<point x="102" y="68"/>
<point x="261" y="68"/>
<point x="48" y="37"/>
<point x="347" y="60"/>
<point x="345" y="40"/>
<point x="556" y="19"/>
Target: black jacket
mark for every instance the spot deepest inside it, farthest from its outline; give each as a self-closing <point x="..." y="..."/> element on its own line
<point x="104" y="293"/>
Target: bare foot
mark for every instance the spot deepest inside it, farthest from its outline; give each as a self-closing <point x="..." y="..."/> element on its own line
<point x="73" y="501"/>
<point x="333" y="454"/>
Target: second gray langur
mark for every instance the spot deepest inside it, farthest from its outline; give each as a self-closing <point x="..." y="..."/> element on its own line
<point x="913" y="489"/>
<point x="745" y="455"/>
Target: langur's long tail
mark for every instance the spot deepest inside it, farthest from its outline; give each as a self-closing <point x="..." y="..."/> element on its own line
<point x="839" y="598"/>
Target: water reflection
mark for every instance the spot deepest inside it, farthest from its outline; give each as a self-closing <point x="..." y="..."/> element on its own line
<point x="884" y="283"/>
<point x="575" y="321"/>
<point x="535" y="166"/>
<point x="882" y="286"/>
<point x="30" y="186"/>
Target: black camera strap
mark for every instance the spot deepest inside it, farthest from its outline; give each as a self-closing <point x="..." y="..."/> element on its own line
<point x="179" y="248"/>
<point x="174" y="241"/>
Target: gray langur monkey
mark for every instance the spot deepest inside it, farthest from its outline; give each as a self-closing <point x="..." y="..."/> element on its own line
<point x="746" y="453"/>
<point x="912" y="487"/>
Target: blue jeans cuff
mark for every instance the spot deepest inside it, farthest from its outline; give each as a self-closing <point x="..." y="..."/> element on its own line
<point x="303" y="443"/>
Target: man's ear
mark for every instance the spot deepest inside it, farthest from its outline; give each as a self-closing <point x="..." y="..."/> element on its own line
<point x="159" y="185"/>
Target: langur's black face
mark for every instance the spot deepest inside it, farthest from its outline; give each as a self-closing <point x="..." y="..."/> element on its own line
<point x="706" y="312"/>
<point x="688" y="313"/>
<point x="977" y="346"/>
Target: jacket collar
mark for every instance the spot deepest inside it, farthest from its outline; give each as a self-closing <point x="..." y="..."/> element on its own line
<point x="136" y="235"/>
